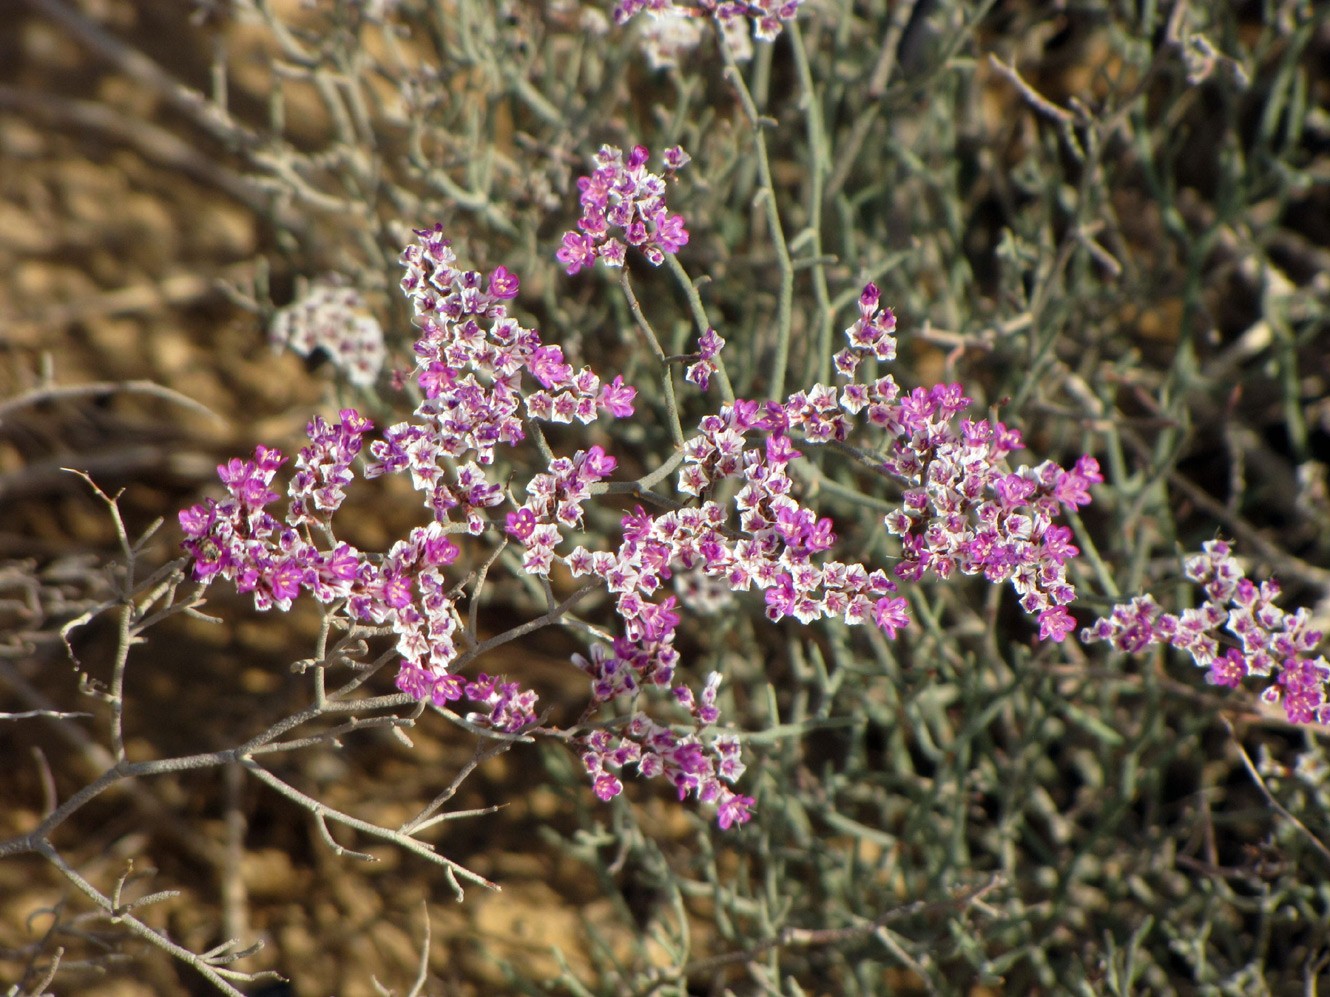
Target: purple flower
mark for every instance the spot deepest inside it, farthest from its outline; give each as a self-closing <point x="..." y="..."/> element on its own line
<point x="447" y="689"/>
<point x="699" y="373"/>
<point x="577" y="252"/>
<point x="196" y="520"/>
<point x="503" y="285"/>
<point x="521" y="524"/>
<point x="675" y="158"/>
<point x="671" y="234"/>
<point x="547" y="366"/>
<point x="606" y="786"/>
<point x="890" y="614"/>
<point x="618" y="397"/>
<point x="1055" y="546"/>
<point x="734" y="809"/>
<point x="1055" y="623"/>
<point x="596" y="462"/>
<point x="1072" y="487"/>
<point x="286" y="579"/>
<point x="1228" y="670"/>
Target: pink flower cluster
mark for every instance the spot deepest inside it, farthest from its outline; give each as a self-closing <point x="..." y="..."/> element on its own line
<point x="239" y="540"/>
<point x="406" y="589"/>
<point x="871" y="334"/>
<point x="964" y="509"/>
<point x="509" y="707"/>
<point x="709" y="344"/>
<point x="768" y="16"/>
<point x="555" y="499"/>
<point x="485" y="380"/>
<point x="472" y="355"/>
<point x="627" y="197"/>
<point x="691" y="764"/>
<point x="775" y="546"/>
<point x="472" y="358"/>
<point x="1271" y="640"/>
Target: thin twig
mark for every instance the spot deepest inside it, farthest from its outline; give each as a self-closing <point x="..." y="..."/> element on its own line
<point x="47" y="714"/>
<point x="217" y="977"/>
<point x="424" y="953"/>
<point x="321" y="811"/>
<point x="1269" y="796"/>
<point x="101" y="389"/>
<point x="784" y="308"/>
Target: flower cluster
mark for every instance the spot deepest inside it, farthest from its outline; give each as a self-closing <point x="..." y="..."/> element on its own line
<point x="485" y="380"/>
<point x="767" y="17"/>
<point x="323" y="468"/>
<point x="708" y="346"/>
<point x="406" y="589"/>
<point x="1261" y="640"/>
<point x="762" y="539"/>
<point x="332" y="318"/>
<point x="669" y="32"/>
<point x="555" y="498"/>
<point x="964" y="509"/>
<point x="482" y="376"/>
<point x="473" y="358"/>
<point x="508" y="707"/>
<point x="239" y="540"/>
<point x="689" y="763"/>
<point x="627" y="197"/>
<point x="871" y="334"/>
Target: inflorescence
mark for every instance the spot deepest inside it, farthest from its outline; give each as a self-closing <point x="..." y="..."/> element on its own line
<point x="1262" y="639"/>
<point x="487" y="381"/>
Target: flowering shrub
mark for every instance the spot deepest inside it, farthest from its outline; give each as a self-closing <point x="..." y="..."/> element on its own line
<point x="487" y="381"/>
<point x="762" y="541"/>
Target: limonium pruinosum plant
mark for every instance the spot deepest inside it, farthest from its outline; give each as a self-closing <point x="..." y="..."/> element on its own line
<point x="487" y="383"/>
<point x="1236" y="610"/>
